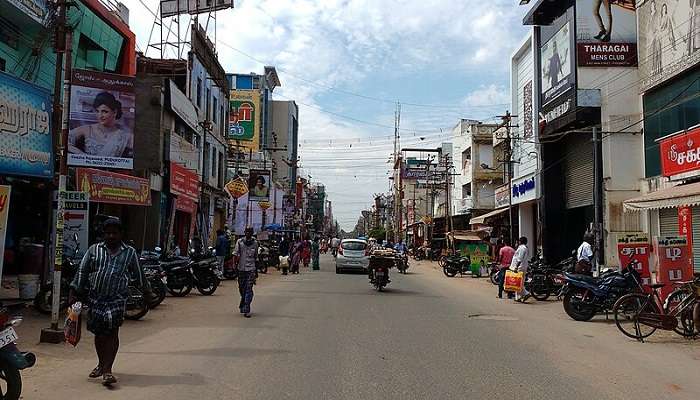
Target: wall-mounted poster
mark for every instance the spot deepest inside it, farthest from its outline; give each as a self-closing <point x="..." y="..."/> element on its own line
<point x="101" y="120"/>
<point x="259" y="184"/>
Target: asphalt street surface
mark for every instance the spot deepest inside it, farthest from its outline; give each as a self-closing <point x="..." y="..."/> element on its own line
<point x="319" y="335"/>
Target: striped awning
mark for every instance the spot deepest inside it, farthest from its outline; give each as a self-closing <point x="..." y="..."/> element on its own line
<point x="676" y="196"/>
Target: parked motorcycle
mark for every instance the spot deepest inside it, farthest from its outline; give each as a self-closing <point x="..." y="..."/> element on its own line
<point x="157" y="279"/>
<point x="456" y="264"/>
<point x="584" y="296"/>
<point x="136" y="304"/>
<point x="178" y="278"/>
<point x="12" y="360"/>
<point x="44" y="297"/>
<point x="494" y="273"/>
<point x="205" y="276"/>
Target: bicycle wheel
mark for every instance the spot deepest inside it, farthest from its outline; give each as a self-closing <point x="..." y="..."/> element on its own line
<point x="627" y="310"/>
<point x="685" y="327"/>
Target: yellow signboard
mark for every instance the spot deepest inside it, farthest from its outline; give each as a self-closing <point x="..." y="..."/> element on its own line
<point x="244" y="120"/>
<point x="264" y="205"/>
<point x="237" y="188"/>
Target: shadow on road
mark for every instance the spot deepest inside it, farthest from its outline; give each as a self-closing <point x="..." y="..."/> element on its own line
<point x="161" y="380"/>
<point x="227" y="352"/>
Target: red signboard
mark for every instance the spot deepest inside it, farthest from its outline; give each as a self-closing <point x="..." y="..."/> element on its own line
<point x="635" y="247"/>
<point x="685" y="228"/>
<point x="184" y="182"/>
<point x="672" y="255"/>
<point x="185" y="204"/>
<point x="680" y="153"/>
<point x="110" y="187"/>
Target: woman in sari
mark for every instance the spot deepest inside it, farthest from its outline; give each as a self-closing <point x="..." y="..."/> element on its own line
<point x="296" y="256"/>
<point x="306" y="253"/>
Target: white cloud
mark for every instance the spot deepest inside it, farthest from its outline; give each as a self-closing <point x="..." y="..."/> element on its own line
<point x="341" y="42"/>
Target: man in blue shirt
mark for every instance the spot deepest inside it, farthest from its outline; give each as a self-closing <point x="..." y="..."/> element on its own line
<point x="222" y="248"/>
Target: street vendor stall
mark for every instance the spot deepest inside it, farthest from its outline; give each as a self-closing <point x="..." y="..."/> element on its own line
<point x="475" y="245"/>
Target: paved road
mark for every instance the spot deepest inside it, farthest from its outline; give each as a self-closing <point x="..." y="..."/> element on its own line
<point x="319" y="335"/>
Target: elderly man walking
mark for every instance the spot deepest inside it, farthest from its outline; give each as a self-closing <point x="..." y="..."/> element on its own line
<point x="244" y="256"/>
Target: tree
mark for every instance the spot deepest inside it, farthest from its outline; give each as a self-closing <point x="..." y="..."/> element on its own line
<point x="377" y="233"/>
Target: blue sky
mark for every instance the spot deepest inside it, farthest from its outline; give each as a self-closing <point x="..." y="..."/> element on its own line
<point x="333" y="54"/>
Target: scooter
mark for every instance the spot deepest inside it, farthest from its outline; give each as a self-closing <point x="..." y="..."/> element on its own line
<point x="12" y="360"/>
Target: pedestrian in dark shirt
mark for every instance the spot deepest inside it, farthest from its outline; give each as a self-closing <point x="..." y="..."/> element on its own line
<point x="245" y="256"/>
<point x="103" y="280"/>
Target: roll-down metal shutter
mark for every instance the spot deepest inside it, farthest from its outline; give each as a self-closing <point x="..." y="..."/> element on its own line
<point x="668" y="222"/>
<point x="696" y="238"/>
<point x="578" y="171"/>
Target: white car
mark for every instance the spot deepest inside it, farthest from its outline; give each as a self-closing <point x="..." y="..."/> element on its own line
<point x="353" y="254"/>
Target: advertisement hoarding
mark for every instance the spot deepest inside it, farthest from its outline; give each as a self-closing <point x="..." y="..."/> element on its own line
<point x="680" y="154"/>
<point x="685" y="228"/>
<point x="556" y="61"/>
<point x="101" y="120"/>
<point x="25" y="129"/>
<point x="5" y="192"/>
<point x="76" y="225"/>
<point x="237" y="188"/>
<point x="244" y="121"/>
<point x="606" y="33"/>
<point x="110" y="187"/>
<point x="414" y="174"/>
<point x="259" y="183"/>
<point x="635" y="247"/>
<point x="169" y="8"/>
<point x="184" y="182"/>
<point x="669" y="39"/>
<point x="672" y="254"/>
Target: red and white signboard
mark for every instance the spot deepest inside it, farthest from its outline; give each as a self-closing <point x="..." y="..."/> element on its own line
<point x="680" y="154"/>
<point x="673" y="266"/>
<point x="685" y="228"/>
<point x="634" y="248"/>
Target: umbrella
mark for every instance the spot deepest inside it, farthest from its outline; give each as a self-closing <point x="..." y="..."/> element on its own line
<point x="272" y="227"/>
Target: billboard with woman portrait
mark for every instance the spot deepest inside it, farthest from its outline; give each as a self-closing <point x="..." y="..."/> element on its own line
<point x="259" y="184"/>
<point x="101" y="130"/>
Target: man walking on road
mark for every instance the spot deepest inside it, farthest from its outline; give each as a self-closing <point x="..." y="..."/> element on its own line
<point x="244" y="256"/>
<point x="520" y="264"/>
<point x="103" y="280"/>
<point x="222" y="249"/>
<point x="505" y="258"/>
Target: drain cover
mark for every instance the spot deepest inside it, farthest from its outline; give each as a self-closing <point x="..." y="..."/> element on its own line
<point x="492" y="317"/>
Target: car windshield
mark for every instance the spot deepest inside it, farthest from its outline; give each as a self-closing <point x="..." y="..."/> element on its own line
<point x="354" y="246"/>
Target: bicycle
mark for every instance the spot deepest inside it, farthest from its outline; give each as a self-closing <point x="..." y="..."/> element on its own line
<point x="639" y="315"/>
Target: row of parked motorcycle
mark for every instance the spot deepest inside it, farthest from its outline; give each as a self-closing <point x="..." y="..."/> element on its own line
<point x="166" y="273"/>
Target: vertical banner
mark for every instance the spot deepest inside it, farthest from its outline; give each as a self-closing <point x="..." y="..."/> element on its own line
<point x="75" y="224"/>
<point x="4" y="211"/>
<point x="672" y="255"/>
<point x="685" y="228"/>
<point x="635" y="248"/>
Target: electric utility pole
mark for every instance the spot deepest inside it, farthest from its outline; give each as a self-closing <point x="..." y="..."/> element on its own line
<point x="61" y="106"/>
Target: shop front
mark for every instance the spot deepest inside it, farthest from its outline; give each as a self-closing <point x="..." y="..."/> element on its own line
<point x="26" y="170"/>
<point x="524" y="194"/>
<point x="674" y="209"/>
<point x="184" y="187"/>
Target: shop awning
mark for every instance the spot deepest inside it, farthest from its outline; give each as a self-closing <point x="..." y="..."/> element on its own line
<point x="483" y="218"/>
<point x="677" y="196"/>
